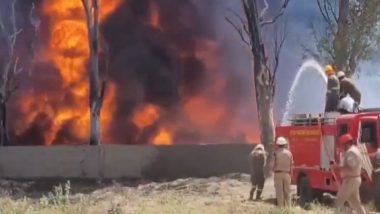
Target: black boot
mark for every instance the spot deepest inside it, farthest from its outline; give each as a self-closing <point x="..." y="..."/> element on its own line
<point x="253" y="189"/>
<point x="258" y="194"/>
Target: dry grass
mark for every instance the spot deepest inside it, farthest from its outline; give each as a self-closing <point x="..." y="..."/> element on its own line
<point x="166" y="204"/>
<point x="187" y="196"/>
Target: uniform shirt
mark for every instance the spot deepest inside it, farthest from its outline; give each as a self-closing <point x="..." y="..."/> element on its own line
<point x="347" y="86"/>
<point x="258" y="162"/>
<point x="352" y="162"/>
<point x="333" y="85"/>
<point x="283" y="160"/>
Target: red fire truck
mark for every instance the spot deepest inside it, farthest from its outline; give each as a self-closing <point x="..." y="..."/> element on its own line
<point x="313" y="140"/>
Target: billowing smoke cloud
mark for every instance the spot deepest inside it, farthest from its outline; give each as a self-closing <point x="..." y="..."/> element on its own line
<point x="169" y="61"/>
<point x="160" y="62"/>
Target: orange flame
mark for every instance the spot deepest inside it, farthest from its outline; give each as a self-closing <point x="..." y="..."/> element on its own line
<point x="68" y="50"/>
<point x="203" y="112"/>
<point x="146" y="116"/>
<point x="154" y="15"/>
<point x="164" y="137"/>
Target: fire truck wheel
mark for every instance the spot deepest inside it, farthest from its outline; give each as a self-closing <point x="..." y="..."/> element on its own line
<point x="305" y="192"/>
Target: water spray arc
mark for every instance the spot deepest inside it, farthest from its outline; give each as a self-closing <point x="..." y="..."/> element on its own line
<point x="307" y="67"/>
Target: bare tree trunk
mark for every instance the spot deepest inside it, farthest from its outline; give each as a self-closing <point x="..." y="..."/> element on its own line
<point x="95" y="100"/>
<point x="267" y="126"/>
<point x="9" y="69"/>
<point x="263" y="79"/>
<point x="3" y="121"/>
<point x="341" y="39"/>
<point x="96" y="92"/>
<point x="264" y="99"/>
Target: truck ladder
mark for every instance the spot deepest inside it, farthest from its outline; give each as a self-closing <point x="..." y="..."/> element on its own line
<point x="328" y="154"/>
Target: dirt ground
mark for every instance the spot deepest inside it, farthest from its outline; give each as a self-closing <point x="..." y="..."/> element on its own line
<point x="219" y="195"/>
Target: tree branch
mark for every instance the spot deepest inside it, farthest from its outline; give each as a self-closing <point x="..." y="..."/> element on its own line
<point x="240" y="31"/>
<point x="36" y="22"/>
<point x="264" y="10"/>
<point x="332" y="10"/>
<point x="15" y="31"/>
<point x="87" y="11"/>
<point x="2" y="28"/>
<point x="253" y="37"/>
<point x="279" y="14"/>
<point x="102" y="92"/>
<point x="325" y="15"/>
<point x="11" y="90"/>
<point x="242" y="21"/>
<point x="278" y="45"/>
<point x="278" y="48"/>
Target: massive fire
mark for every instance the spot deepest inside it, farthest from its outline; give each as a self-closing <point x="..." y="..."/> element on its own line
<point x="68" y="50"/>
<point x="168" y="82"/>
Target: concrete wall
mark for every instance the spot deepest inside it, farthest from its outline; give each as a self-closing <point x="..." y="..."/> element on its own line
<point x="123" y="161"/>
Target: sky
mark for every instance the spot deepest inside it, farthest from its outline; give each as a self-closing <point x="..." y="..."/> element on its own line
<point x="298" y="16"/>
<point x="234" y="57"/>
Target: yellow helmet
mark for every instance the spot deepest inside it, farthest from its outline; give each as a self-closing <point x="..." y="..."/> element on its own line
<point x="329" y="70"/>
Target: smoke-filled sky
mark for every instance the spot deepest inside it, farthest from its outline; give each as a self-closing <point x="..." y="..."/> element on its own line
<point x="298" y="16"/>
<point x="177" y="72"/>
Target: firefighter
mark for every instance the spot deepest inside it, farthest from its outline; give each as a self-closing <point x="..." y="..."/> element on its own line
<point x="333" y="87"/>
<point x="376" y="179"/>
<point x="283" y="169"/>
<point x="350" y="174"/>
<point x="348" y="87"/>
<point x="258" y="163"/>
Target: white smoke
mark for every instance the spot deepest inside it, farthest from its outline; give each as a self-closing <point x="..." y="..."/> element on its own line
<point x="368" y="81"/>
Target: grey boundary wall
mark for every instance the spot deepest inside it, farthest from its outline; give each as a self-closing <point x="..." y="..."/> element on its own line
<point x="123" y="161"/>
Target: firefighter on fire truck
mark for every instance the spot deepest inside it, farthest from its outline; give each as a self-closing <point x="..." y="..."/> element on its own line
<point x="347" y="105"/>
<point x="351" y="176"/>
<point x="333" y="87"/>
<point x="348" y="87"/>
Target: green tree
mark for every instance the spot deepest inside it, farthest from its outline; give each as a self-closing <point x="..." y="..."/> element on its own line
<point x="350" y="33"/>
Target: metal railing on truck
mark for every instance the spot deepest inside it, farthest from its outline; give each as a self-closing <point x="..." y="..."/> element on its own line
<point x="313" y="120"/>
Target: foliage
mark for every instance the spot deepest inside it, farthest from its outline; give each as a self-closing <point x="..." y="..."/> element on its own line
<point x="363" y="33"/>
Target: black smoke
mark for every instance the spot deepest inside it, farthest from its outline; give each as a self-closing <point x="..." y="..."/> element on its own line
<point x="150" y="65"/>
<point x="155" y="65"/>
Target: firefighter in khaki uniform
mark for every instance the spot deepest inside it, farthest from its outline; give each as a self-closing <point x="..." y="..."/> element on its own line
<point x="283" y="168"/>
<point x="376" y="179"/>
<point x="348" y="87"/>
<point x="258" y="161"/>
<point x="350" y="174"/>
